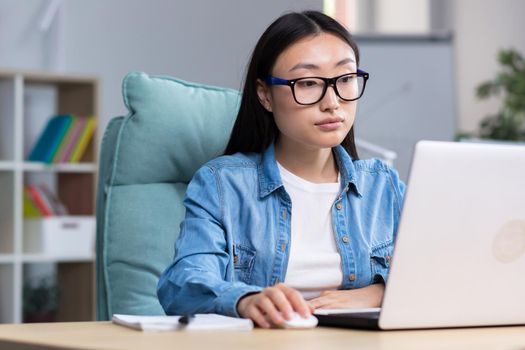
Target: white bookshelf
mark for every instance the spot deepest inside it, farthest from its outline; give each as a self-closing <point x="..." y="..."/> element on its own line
<point x="27" y="101"/>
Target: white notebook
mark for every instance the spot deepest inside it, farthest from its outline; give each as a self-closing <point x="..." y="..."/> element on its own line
<point x="171" y="323"/>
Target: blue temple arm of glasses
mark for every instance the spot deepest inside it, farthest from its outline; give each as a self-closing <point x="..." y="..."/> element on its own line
<point x="276" y="81"/>
<point x="271" y="80"/>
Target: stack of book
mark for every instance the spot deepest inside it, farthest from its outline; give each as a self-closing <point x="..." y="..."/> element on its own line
<point x="64" y="139"/>
<point x="40" y="201"/>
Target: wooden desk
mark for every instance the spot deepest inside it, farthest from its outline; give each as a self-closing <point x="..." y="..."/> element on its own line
<point x="104" y="335"/>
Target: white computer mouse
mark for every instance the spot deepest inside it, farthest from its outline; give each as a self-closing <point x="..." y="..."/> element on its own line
<point x="298" y="322"/>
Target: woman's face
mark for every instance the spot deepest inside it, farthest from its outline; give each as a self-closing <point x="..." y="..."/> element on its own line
<point x="321" y="125"/>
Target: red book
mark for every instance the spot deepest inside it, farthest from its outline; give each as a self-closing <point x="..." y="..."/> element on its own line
<point x="39" y="201"/>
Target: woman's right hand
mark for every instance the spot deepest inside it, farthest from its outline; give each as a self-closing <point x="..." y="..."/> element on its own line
<point x="273" y="305"/>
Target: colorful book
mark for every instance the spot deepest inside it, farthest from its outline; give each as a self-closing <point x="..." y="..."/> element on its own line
<point x="40" y="149"/>
<point x="50" y="138"/>
<point x="30" y="208"/>
<point x="63" y="126"/>
<point x="46" y="200"/>
<point x="57" y="207"/>
<point x="76" y="133"/>
<point x="40" y="203"/>
<point x="83" y="141"/>
<point x="57" y="158"/>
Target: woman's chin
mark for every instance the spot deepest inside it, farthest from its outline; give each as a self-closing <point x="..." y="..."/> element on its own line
<point x="329" y="141"/>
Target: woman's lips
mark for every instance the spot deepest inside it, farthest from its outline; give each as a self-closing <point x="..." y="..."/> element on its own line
<point x="330" y="125"/>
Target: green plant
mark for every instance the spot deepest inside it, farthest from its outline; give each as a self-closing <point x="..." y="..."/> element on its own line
<point x="509" y="122"/>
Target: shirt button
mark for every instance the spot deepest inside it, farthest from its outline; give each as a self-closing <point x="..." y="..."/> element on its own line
<point x="282" y="247"/>
<point x="345" y="239"/>
<point x="351" y="277"/>
<point x="339" y="206"/>
<point x="235" y="259"/>
<point x="388" y="258"/>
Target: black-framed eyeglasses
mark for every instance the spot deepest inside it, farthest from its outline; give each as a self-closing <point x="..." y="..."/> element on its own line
<point x="310" y="90"/>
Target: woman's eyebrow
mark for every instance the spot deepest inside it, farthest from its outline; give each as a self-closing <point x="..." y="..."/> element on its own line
<point x="304" y="66"/>
<point x="313" y="66"/>
<point x="345" y="61"/>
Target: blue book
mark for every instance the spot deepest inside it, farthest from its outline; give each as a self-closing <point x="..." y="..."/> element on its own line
<point x="50" y="138"/>
<point x="64" y="126"/>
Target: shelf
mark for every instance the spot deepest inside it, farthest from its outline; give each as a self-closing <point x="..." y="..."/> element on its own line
<point x="54" y="167"/>
<point x="7" y="212"/>
<point x="27" y="102"/>
<point x="7" y="258"/>
<point x="47" y="77"/>
<point x="6" y="165"/>
<point x="7" y="277"/>
<point x="60" y="167"/>
<point x="41" y="258"/>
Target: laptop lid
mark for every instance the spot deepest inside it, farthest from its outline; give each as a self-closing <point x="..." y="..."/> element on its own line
<point x="459" y="258"/>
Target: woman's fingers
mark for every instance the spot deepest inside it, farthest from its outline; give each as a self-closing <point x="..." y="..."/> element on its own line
<point x="267" y="306"/>
<point x="296" y="300"/>
<point x="316" y="303"/>
<point x="279" y="299"/>
<point x="273" y="305"/>
<point x="257" y="316"/>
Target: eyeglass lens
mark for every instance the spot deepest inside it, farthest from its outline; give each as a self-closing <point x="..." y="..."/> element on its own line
<point x="310" y="90"/>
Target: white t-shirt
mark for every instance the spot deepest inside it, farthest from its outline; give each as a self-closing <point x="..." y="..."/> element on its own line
<point x="314" y="264"/>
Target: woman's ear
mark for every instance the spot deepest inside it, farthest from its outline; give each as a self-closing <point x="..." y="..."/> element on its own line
<point x="263" y="93"/>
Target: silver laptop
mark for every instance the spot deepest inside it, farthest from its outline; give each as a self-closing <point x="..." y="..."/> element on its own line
<point x="459" y="257"/>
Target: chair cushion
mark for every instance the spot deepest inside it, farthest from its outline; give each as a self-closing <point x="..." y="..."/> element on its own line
<point x="147" y="159"/>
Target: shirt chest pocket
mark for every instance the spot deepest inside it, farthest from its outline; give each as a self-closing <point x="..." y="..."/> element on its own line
<point x="243" y="262"/>
<point x="380" y="258"/>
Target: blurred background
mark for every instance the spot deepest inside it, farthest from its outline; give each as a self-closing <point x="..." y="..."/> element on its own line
<point x="439" y="69"/>
<point x="425" y="57"/>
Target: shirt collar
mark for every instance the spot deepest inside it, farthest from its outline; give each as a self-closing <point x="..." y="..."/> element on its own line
<point x="347" y="169"/>
<point x="270" y="178"/>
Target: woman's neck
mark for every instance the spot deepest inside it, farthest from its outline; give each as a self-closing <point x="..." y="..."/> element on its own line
<point x="316" y="165"/>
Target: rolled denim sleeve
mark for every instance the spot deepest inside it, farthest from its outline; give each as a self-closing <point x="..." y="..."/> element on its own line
<point x="399" y="188"/>
<point x="200" y="278"/>
<point x="381" y="255"/>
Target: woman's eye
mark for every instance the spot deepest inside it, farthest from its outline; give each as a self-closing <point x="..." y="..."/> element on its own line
<point x="307" y="83"/>
<point x="346" y="79"/>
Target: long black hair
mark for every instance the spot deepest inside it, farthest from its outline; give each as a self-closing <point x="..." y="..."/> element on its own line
<point x="255" y="129"/>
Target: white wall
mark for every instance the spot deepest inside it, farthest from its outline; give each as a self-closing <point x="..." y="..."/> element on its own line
<point x="206" y="41"/>
<point x="481" y="28"/>
<point x="209" y="41"/>
<point x="402" y="16"/>
<point x="20" y="40"/>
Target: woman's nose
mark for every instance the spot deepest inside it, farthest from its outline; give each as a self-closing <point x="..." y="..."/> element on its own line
<point x="330" y="99"/>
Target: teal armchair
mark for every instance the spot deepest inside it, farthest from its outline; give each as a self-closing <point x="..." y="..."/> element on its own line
<point x="147" y="159"/>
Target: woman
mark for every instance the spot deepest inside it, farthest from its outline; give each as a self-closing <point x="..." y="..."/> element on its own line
<point x="288" y="220"/>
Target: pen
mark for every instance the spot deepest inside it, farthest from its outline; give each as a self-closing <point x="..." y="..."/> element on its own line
<point x="186" y="319"/>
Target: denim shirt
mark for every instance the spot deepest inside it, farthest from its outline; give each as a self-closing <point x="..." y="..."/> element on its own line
<point x="235" y="237"/>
